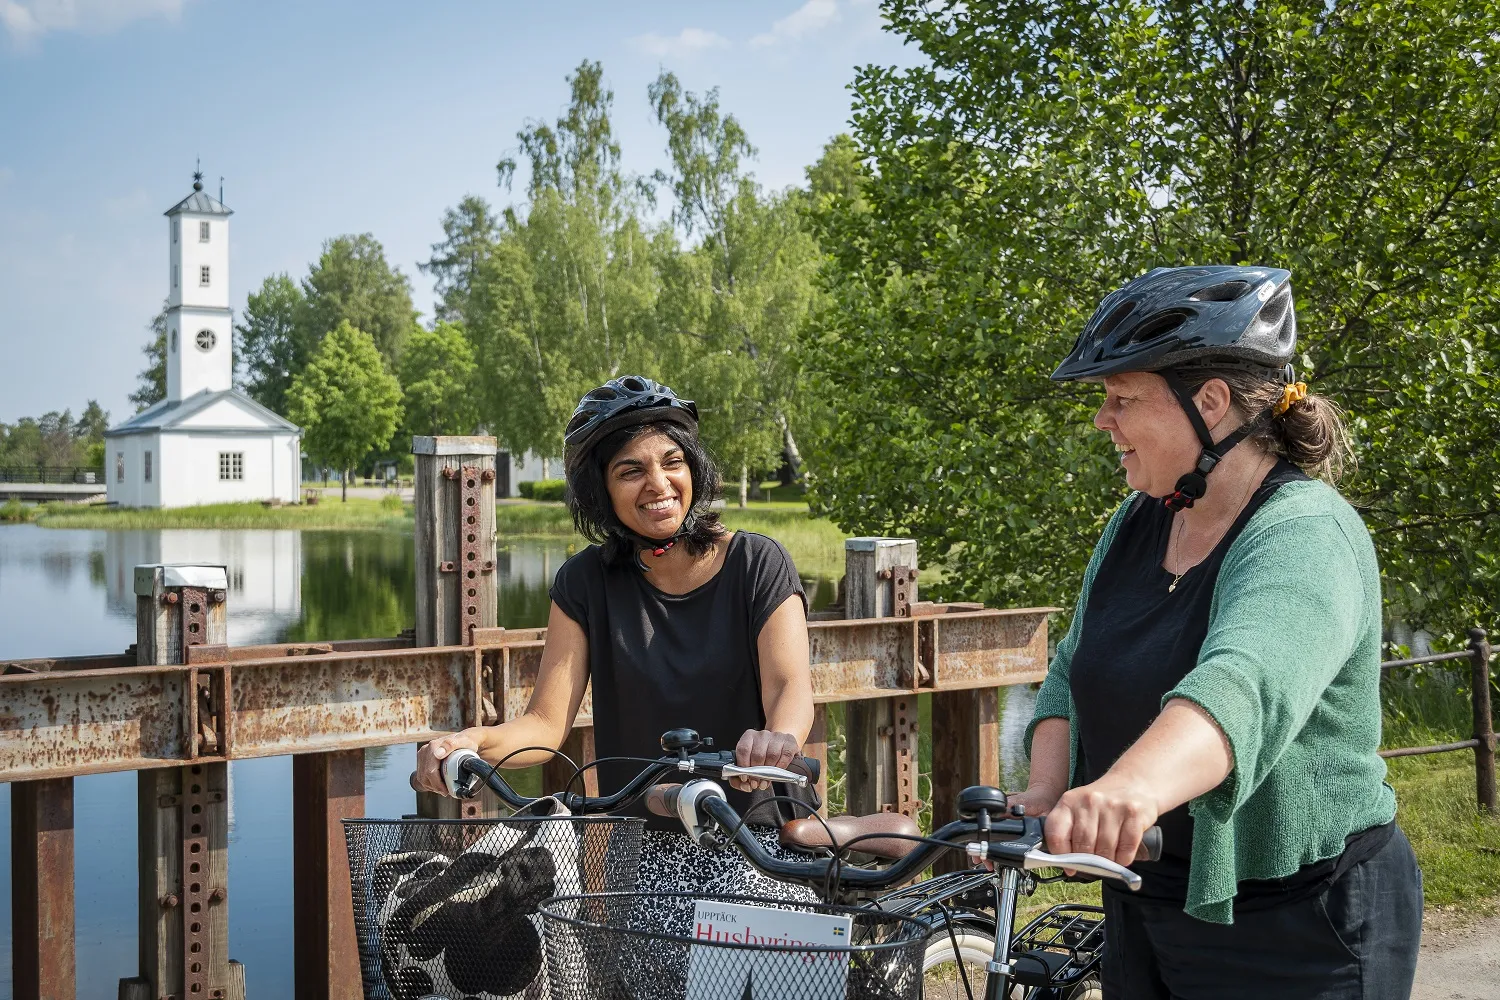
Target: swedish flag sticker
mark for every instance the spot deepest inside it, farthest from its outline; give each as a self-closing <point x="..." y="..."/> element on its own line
<point x="838" y="932"/>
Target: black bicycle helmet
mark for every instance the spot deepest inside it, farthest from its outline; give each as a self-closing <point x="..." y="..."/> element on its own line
<point x="627" y="401"/>
<point x="1173" y="317"/>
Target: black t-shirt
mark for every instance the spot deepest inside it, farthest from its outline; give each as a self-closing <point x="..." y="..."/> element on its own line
<point x="662" y="661"/>
<point x="1139" y="641"/>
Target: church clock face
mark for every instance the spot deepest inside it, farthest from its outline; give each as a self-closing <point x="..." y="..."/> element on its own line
<point x="206" y="340"/>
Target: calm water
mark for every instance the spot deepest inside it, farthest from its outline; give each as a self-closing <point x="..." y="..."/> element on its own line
<point x="68" y="593"/>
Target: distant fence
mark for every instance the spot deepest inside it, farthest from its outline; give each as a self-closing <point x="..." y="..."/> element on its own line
<point x="1483" y="742"/>
<point x="80" y="474"/>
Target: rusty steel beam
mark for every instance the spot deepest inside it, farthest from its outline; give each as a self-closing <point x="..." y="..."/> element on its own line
<point x="59" y="724"/>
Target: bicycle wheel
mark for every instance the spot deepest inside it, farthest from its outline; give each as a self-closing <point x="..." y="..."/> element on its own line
<point x="1089" y="989"/>
<point x="941" y="965"/>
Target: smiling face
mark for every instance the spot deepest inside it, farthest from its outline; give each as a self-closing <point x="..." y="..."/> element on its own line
<point x="650" y="485"/>
<point x="1156" y="442"/>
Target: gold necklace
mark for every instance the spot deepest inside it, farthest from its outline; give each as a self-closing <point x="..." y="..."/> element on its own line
<point x="1177" y="540"/>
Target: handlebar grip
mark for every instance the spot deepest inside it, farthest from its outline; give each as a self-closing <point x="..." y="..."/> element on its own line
<point x="661" y="800"/>
<point x="809" y="766"/>
<point x="1150" y="849"/>
<point x="461" y="783"/>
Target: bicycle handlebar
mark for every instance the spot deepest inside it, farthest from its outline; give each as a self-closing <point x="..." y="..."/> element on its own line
<point x="464" y="771"/>
<point x="699" y="804"/>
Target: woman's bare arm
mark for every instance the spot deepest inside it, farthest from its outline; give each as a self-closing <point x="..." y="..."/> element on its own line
<point x="785" y="692"/>
<point x="560" y="684"/>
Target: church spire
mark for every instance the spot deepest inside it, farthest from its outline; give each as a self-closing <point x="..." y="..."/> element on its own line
<point x="198" y="174"/>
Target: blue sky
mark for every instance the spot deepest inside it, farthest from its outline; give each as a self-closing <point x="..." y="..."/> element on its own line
<point x="327" y="117"/>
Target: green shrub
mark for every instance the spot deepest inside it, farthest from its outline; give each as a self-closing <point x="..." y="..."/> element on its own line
<point x="14" y="510"/>
<point x="543" y="489"/>
<point x="392" y="502"/>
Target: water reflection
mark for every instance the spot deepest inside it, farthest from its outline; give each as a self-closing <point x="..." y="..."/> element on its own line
<point x="66" y="593"/>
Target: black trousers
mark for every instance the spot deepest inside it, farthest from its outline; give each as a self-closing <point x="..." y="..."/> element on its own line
<point x="1355" y="940"/>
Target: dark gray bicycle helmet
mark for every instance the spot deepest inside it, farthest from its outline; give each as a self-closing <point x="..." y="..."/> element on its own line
<point x="627" y="401"/>
<point x="1175" y="317"/>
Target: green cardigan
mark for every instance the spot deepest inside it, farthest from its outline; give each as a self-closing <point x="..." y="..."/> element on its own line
<point x="1290" y="670"/>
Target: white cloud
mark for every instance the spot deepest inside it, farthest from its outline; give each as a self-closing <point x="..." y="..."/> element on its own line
<point x="688" y="42"/>
<point x="28" y="20"/>
<point x="809" y="19"/>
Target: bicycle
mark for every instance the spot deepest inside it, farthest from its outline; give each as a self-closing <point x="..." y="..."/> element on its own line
<point x="1054" y="957"/>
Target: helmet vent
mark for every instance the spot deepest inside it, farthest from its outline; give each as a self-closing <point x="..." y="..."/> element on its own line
<point x="1154" y="328"/>
<point x="1224" y="291"/>
<point x="1114" y="319"/>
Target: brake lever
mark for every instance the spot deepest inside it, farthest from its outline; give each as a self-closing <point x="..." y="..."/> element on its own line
<point x="765" y="772"/>
<point x="1093" y="864"/>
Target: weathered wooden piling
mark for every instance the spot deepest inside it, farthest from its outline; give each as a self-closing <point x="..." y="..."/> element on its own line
<point x="183" y="812"/>
<point x="455" y="566"/>
<point x="880" y="753"/>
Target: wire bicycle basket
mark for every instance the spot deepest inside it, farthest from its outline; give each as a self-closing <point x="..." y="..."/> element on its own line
<point x="636" y="945"/>
<point x="448" y="908"/>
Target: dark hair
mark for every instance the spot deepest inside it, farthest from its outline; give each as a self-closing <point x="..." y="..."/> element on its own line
<point x="594" y="512"/>
<point x="1310" y="433"/>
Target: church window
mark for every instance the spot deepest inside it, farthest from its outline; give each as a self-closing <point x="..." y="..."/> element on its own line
<point x="206" y="340"/>
<point x="202" y="232"/>
<point x="176" y="224"/>
<point x="203" y="275"/>
<point x="231" y="466"/>
<point x="146" y="468"/>
<point x="119" y="466"/>
<point x="174" y="275"/>
<point x="174" y="340"/>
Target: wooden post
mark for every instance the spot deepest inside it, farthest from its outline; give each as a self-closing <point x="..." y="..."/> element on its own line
<point x="965" y="751"/>
<point x="816" y="747"/>
<point x="455" y="556"/>
<point x="41" y="887"/>
<point x="880" y="749"/>
<point x="455" y="564"/>
<point x="326" y="789"/>
<point x="183" y="812"/>
<point x="1484" y="721"/>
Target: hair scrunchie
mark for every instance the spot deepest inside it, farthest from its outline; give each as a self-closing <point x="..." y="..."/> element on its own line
<point x="1293" y="393"/>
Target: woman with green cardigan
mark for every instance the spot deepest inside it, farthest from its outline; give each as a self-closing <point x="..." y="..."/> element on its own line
<point x="1221" y="674"/>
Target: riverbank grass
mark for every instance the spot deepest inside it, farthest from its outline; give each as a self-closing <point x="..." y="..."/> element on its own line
<point x="356" y="514"/>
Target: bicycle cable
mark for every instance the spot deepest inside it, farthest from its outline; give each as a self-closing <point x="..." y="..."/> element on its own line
<point x="958" y="958"/>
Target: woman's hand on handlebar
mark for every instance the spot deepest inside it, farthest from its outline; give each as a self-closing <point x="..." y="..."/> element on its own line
<point x="1038" y="799"/>
<point x="1107" y="817"/>
<point x="762" y="746"/>
<point x="428" y="777"/>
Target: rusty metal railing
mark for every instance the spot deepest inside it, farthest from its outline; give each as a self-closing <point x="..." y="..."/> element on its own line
<point x="1478" y="655"/>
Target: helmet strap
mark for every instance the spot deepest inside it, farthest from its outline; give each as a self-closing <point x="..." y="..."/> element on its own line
<point x="658" y="546"/>
<point x="1193" y="485"/>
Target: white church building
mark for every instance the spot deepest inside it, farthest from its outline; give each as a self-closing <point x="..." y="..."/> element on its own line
<point x="206" y="442"/>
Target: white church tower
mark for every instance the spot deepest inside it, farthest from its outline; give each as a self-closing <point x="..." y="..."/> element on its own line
<point x="206" y="442"/>
<point x="198" y="300"/>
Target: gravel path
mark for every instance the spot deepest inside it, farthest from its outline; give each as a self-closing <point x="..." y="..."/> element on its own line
<point x="1460" y="958"/>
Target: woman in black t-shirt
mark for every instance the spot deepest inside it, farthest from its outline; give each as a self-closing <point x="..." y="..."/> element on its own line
<point x="678" y="623"/>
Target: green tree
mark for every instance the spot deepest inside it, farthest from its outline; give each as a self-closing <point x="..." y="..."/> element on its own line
<point x="353" y="282"/>
<point x="566" y="299"/>
<point x="151" y="383"/>
<point x="738" y="302"/>
<point x="470" y="233"/>
<point x="1045" y="153"/>
<point x="438" y="381"/>
<point x="345" y="400"/>
<point x="274" y="340"/>
<point x="92" y="423"/>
